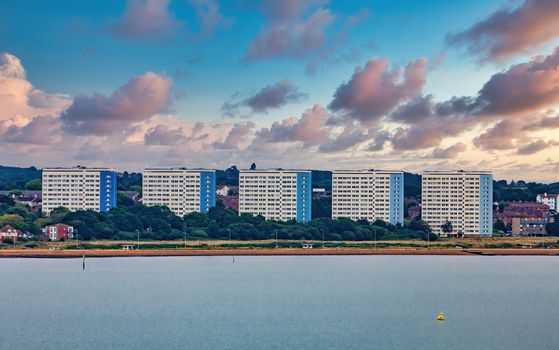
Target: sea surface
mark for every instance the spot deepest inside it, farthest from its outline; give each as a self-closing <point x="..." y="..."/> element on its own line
<point x="281" y="302"/>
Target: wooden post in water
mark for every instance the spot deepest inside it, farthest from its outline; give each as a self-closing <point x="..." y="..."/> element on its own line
<point x="83" y="262"/>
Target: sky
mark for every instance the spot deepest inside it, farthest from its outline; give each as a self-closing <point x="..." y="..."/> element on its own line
<point x="321" y="84"/>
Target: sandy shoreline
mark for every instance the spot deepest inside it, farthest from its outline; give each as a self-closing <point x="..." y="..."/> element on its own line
<point x="44" y="253"/>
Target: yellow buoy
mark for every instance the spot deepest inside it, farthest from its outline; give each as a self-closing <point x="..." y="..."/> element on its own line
<point x="440" y="317"/>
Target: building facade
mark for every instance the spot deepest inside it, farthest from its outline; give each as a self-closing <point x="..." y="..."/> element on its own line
<point x="551" y="199"/>
<point x="79" y="188"/>
<point x="463" y="198"/>
<point x="180" y="189"/>
<point x="276" y="194"/>
<point x="530" y="226"/>
<point x="8" y="231"/>
<point x="58" y="232"/>
<point x="368" y="194"/>
<point x="521" y="210"/>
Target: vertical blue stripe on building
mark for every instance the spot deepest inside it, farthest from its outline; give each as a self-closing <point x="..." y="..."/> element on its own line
<point x="304" y="197"/>
<point x="207" y="191"/>
<point x="396" y="199"/>
<point x="486" y="204"/>
<point x="107" y="190"/>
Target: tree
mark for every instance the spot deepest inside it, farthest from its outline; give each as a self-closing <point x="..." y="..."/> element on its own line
<point x="123" y="200"/>
<point x="253" y="166"/>
<point x="11" y="219"/>
<point x="499" y="226"/>
<point x="15" y="192"/>
<point x="7" y="200"/>
<point x="553" y="228"/>
<point x="34" y="184"/>
<point x="322" y="208"/>
<point x="447" y="227"/>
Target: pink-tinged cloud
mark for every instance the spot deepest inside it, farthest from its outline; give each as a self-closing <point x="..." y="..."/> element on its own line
<point x="135" y="102"/>
<point x="41" y="130"/>
<point x="18" y="97"/>
<point x="501" y="136"/>
<point x="162" y="135"/>
<point x="145" y="19"/>
<point x="310" y="129"/>
<point x="272" y="96"/>
<point x="11" y="67"/>
<point x="523" y="87"/>
<point x="449" y="152"/>
<point x="351" y="135"/>
<point x="511" y="30"/>
<point x="379" y="140"/>
<point x="237" y="136"/>
<point x="375" y="90"/>
<point x="291" y="30"/>
<point x="210" y="17"/>
<point x="536" y="146"/>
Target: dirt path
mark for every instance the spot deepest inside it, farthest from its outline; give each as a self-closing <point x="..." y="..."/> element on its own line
<point x="44" y="253"/>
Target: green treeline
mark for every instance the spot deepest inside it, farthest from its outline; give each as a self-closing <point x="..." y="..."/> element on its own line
<point x="159" y="223"/>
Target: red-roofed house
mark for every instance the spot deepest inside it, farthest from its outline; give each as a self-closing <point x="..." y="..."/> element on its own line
<point x="58" y="232"/>
<point x="9" y="232"/>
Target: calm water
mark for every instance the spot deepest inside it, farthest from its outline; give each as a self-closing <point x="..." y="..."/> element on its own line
<point x="366" y="302"/>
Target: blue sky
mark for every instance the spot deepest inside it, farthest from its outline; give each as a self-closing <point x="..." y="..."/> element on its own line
<point x="71" y="39"/>
<point x="75" y="48"/>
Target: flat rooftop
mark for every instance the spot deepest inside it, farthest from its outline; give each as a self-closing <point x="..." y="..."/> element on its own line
<point x="179" y="169"/>
<point x="457" y="172"/>
<point x="366" y="171"/>
<point x="78" y="168"/>
<point x="276" y="170"/>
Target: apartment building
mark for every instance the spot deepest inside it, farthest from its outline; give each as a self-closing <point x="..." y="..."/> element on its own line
<point x="368" y="194"/>
<point x="276" y="194"/>
<point x="551" y="199"/>
<point x="79" y="188"/>
<point x="464" y="198"/>
<point x="180" y="189"/>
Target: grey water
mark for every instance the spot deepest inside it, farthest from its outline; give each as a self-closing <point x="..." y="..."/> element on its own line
<point x="291" y="302"/>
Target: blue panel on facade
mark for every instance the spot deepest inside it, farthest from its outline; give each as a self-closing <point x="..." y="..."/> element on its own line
<point x="486" y="204"/>
<point x="107" y="190"/>
<point x="396" y="199"/>
<point x="207" y="191"/>
<point x="304" y="197"/>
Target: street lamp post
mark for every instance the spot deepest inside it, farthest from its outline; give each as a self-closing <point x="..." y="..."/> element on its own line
<point x="229" y="230"/>
<point x="375" y="231"/>
<point x="276" y="230"/>
<point x="138" y="233"/>
<point x="322" y="237"/>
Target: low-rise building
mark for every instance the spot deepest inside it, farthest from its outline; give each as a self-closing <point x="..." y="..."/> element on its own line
<point x="10" y="232"/>
<point x="58" y="232"/>
<point x="530" y="226"/>
<point x="531" y="210"/>
<point x="550" y="199"/>
<point x="414" y="212"/>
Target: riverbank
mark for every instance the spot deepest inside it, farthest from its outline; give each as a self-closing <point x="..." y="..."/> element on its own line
<point x="100" y="253"/>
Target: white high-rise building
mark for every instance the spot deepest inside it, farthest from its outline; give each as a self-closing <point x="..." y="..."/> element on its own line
<point x="368" y="194"/>
<point x="180" y="189"/>
<point x="463" y="198"/>
<point x="79" y="188"/>
<point x="276" y="194"/>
